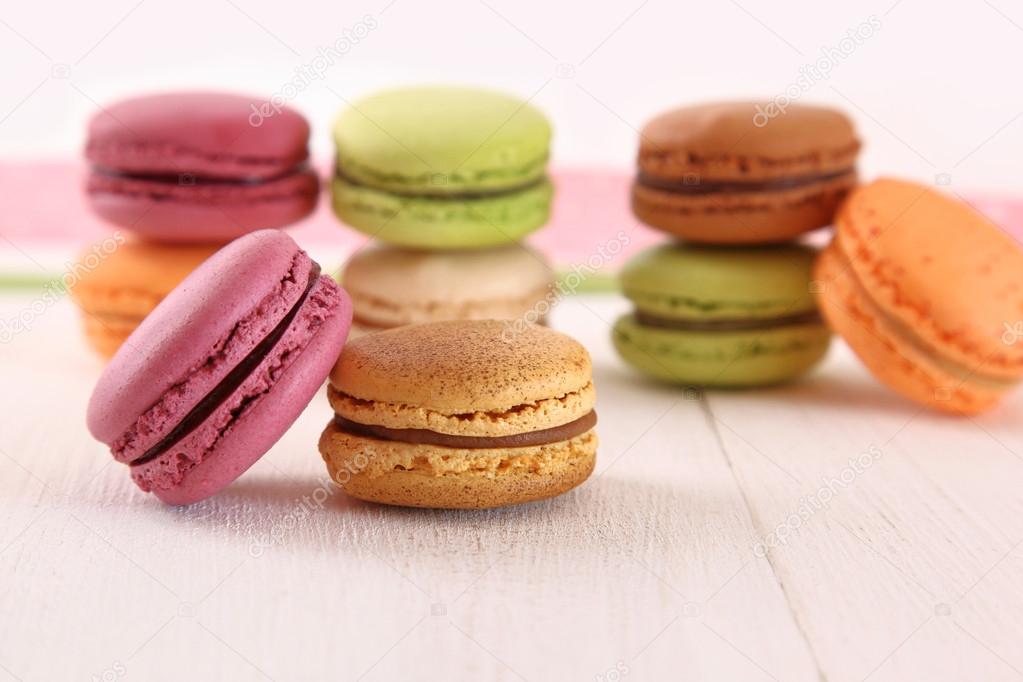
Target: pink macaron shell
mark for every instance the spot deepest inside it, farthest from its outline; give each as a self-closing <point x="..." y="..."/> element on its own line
<point x="205" y="134"/>
<point x="201" y="212"/>
<point x="186" y="345"/>
<point x="227" y="443"/>
<point x="154" y="423"/>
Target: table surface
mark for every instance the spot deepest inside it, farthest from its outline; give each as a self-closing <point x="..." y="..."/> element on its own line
<point x="824" y="530"/>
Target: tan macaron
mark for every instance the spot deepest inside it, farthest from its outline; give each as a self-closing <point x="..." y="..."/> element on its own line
<point x="392" y="286"/>
<point x="461" y="415"/>
<point x="743" y="172"/>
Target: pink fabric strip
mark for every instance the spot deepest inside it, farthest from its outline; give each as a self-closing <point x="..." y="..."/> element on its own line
<point x="42" y="202"/>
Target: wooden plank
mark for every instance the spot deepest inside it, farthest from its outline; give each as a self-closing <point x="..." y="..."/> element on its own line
<point x="904" y="563"/>
<point x="644" y="572"/>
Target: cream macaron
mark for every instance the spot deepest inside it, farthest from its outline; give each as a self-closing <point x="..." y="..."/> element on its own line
<point x="463" y="414"/>
<point x="392" y="286"/>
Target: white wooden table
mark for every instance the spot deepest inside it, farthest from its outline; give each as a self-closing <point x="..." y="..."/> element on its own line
<point x="723" y="537"/>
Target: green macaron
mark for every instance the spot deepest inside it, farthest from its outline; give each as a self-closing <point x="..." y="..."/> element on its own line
<point x="442" y="167"/>
<point x="715" y="316"/>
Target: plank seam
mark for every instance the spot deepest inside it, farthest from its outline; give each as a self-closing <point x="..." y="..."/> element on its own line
<point x="712" y="423"/>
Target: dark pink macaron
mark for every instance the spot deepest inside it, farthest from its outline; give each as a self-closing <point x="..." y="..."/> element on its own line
<point x="216" y="374"/>
<point x="199" y="166"/>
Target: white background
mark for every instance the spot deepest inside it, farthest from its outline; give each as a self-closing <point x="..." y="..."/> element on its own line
<point x="934" y="90"/>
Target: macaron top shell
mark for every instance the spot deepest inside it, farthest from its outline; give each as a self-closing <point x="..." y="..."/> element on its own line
<point x="731" y="141"/>
<point x="409" y="277"/>
<point x="691" y="282"/>
<point x="442" y="140"/>
<point x="207" y="135"/>
<point x="463" y="367"/>
<point x="225" y="307"/>
<point x="938" y="268"/>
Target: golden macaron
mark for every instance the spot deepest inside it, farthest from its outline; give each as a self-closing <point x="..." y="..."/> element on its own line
<point x="465" y="414"/>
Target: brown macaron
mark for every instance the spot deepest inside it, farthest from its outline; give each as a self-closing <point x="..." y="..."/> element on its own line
<point x="466" y="414"/>
<point x="744" y="172"/>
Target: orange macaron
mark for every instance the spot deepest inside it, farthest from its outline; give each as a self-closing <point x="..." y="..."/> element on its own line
<point x="118" y="281"/>
<point x="926" y="290"/>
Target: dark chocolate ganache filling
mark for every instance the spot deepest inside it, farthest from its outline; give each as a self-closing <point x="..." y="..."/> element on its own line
<point x="230" y="383"/>
<point x="554" y="434"/>
<point x="733" y="325"/>
<point x="696" y="186"/>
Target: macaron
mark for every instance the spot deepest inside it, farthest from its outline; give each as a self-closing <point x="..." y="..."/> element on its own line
<point x="728" y="173"/>
<point x="215" y="375"/>
<point x="928" y="293"/>
<point x="116" y="283"/>
<point x="199" y="166"/>
<point x="713" y="316"/>
<point x="459" y="415"/>
<point x="442" y="168"/>
<point x="393" y="286"/>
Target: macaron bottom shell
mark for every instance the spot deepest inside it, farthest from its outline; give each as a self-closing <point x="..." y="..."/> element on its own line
<point x="890" y="351"/>
<point x="416" y="475"/>
<point x="733" y="359"/>
<point x="754" y="217"/>
<point x="201" y="212"/>
<point x="431" y="222"/>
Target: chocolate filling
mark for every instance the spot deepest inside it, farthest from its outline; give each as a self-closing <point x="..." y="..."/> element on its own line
<point x="732" y="325"/>
<point x="554" y="434"/>
<point x="475" y="194"/>
<point x="186" y="178"/>
<point x="696" y="187"/>
<point x="370" y="325"/>
<point x="230" y="383"/>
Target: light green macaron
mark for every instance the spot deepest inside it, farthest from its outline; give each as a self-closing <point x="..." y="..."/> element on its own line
<point x="717" y="316"/>
<point x="442" y="167"/>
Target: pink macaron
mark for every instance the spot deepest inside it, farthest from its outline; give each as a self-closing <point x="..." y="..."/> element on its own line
<point x="199" y="166"/>
<point x="216" y="374"/>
